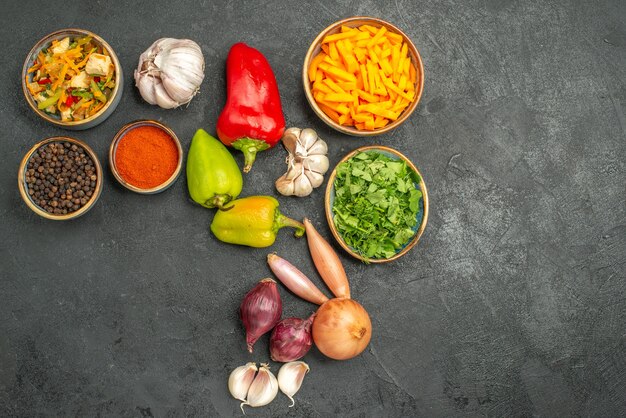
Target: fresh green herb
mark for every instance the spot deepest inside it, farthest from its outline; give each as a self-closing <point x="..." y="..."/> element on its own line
<point x="376" y="203"/>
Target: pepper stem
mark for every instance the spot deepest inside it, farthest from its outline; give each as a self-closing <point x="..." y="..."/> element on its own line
<point x="249" y="147"/>
<point x="282" y="221"/>
<point x="218" y="201"/>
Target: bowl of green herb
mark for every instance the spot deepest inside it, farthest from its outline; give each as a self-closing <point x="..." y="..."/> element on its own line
<point x="376" y="204"/>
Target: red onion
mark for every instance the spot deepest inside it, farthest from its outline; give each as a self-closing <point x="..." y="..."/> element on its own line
<point x="260" y="310"/>
<point x="291" y="339"/>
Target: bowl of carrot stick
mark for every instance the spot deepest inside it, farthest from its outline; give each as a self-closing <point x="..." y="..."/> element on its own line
<point x="363" y="76"/>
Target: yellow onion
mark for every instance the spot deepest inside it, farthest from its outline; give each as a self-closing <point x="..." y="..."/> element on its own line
<point x="341" y="329"/>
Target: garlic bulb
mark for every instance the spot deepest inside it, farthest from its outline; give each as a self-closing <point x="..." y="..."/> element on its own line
<point x="290" y="378"/>
<point x="264" y="388"/>
<point x="240" y="380"/>
<point x="170" y="72"/>
<point x="307" y="162"/>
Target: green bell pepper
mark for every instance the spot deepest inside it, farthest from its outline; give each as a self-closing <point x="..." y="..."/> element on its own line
<point x="213" y="176"/>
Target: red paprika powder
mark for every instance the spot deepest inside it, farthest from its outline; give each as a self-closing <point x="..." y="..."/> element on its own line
<point x="146" y="157"/>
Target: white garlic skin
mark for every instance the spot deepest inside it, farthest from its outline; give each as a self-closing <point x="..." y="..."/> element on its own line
<point x="290" y="377"/>
<point x="302" y="185"/>
<point x="290" y="138"/>
<point x="319" y="147"/>
<point x="285" y="186"/>
<point x="162" y="98"/>
<point x="263" y="390"/>
<point x="307" y="138"/>
<point x="170" y="72"/>
<point x="316" y="179"/>
<point x="240" y="380"/>
<point x="146" y="87"/>
<point x="317" y="163"/>
<point x="307" y="162"/>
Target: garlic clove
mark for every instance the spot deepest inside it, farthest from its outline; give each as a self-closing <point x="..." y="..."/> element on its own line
<point x="317" y="163"/>
<point x="319" y="147"/>
<point x="178" y="89"/>
<point x="263" y="389"/>
<point x="316" y="179"/>
<point x="290" y="138"/>
<point x="295" y="169"/>
<point x="145" y="84"/>
<point x="240" y="380"/>
<point x="159" y="47"/>
<point x="183" y="70"/>
<point x="285" y="186"/>
<point x="162" y="98"/>
<point x="290" y="377"/>
<point x="302" y="186"/>
<point x="307" y="138"/>
<point x="293" y="130"/>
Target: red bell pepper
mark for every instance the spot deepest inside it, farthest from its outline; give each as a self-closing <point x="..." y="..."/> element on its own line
<point x="252" y="119"/>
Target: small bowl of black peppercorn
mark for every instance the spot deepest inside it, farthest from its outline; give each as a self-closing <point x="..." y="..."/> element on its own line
<point x="60" y="178"/>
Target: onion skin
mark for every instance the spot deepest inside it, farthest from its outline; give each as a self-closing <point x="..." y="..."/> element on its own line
<point x="342" y="329"/>
<point x="327" y="262"/>
<point x="295" y="280"/>
<point x="260" y="310"/>
<point x="291" y="339"/>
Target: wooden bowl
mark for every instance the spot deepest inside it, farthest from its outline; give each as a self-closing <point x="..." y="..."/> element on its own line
<point x="103" y="113"/>
<point x="23" y="187"/>
<point x="113" y="148"/>
<point x="315" y="48"/>
<point x="422" y="215"/>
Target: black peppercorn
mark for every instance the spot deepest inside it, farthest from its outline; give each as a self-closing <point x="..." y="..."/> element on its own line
<point x="55" y="178"/>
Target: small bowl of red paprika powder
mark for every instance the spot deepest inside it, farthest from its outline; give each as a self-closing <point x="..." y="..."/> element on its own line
<point x="146" y="156"/>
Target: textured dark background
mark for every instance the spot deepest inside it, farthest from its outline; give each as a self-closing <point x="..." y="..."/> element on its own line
<point x="513" y="303"/>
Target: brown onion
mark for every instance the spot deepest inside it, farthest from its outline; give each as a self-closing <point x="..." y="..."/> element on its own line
<point x="291" y="339"/>
<point x="260" y="310"/>
<point x="341" y="329"/>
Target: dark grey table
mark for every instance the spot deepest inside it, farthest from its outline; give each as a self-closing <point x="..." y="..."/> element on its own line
<point x="513" y="303"/>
